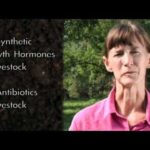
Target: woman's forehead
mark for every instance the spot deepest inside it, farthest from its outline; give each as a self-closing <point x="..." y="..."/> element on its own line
<point x="134" y="44"/>
<point x="128" y="38"/>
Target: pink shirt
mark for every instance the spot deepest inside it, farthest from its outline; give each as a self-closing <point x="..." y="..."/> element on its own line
<point x="103" y="116"/>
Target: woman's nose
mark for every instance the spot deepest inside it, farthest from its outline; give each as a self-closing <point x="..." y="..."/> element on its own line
<point x="128" y="60"/>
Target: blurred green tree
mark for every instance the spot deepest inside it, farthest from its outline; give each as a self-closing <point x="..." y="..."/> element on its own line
<point x="84" y="73"/>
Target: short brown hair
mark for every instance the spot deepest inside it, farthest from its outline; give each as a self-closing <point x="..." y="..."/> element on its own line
<point x="124" y="33"/>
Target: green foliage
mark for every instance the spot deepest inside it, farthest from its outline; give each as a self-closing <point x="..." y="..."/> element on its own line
<point x="84" y="73"/>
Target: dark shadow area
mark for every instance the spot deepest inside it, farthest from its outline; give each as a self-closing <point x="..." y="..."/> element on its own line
<point x="43" y="75"/>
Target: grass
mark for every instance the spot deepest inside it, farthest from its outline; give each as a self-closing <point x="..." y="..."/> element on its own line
<point x="71" y="107"/>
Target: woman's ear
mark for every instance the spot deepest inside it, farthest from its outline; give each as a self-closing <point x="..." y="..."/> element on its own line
<point x="148" y="66"/>
<point x="107" y="64"/>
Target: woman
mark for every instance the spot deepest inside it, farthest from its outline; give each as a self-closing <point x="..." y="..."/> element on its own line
<point x="127" y="108"/>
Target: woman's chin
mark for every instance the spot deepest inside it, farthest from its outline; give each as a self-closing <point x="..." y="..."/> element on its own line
<point x="128" y="83"/>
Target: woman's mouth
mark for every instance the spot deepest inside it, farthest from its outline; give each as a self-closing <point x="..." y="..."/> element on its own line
<point x="130" y="73"/>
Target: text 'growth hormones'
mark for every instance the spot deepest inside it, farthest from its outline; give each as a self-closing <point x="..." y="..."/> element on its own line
<point x="19" y="54"/>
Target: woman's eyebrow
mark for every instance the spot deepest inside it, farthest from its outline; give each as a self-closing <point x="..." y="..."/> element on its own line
<point x="119" y="49"/>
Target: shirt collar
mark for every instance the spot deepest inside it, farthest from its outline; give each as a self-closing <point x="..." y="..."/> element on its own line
<point x="148" y="107"/>
<point x="110" y="103"/>
<point x="110" y="107"/>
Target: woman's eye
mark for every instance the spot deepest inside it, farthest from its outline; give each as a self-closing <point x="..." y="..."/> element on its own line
<point x="118" y="54"/>
<point x="134" y="52"/>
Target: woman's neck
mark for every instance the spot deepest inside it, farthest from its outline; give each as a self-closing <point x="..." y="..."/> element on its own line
<point x="130" y="99"/>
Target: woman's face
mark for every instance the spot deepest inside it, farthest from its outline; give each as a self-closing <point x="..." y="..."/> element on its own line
<point x="128" y="63"/>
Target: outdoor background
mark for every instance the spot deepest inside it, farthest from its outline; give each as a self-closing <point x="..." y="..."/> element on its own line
<point x="85" y="78"/>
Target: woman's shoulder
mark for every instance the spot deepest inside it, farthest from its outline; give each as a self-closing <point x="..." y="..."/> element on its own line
<point x="93" y="109"/>
<point x="89" y="117"/>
